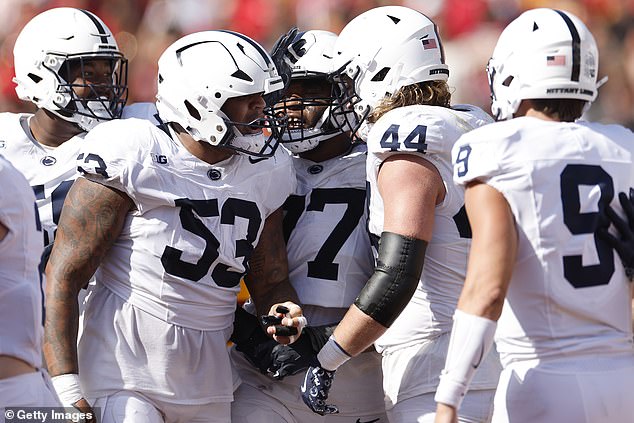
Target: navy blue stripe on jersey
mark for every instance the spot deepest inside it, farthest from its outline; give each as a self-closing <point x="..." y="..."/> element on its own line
<point x="576" y="46"/>
<point x="38" y="190"/>
<point x="162" y="125"/>
<point x="255" y="45"/>
<point x="100" y="29"/>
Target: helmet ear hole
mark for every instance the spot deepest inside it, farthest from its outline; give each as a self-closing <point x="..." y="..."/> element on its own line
<point x="193" y="112"/>
<point x="508" y="81"/>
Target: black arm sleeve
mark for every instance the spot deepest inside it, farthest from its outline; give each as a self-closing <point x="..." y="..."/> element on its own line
<point x="396" y="275"/>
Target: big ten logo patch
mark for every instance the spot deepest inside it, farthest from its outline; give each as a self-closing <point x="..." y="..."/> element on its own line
<point x="158" y="158"/>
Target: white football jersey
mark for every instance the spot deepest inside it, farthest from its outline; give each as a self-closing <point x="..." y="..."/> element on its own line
<point x="568" y="294"/>
<point x="21" y="284"/>
<point x="183" y="251"/>
<point x="329" y="253"/>
<point x="428" y="132"/>
<point x="49" y="170"/>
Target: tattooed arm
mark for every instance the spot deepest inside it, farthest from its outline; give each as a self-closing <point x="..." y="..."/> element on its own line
<point x="267" y="278"/>
<point x="91" y="220"/>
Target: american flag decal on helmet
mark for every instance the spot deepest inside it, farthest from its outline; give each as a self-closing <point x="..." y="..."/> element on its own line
<point x="429" y="44"/>
<point x="558" y="60"/>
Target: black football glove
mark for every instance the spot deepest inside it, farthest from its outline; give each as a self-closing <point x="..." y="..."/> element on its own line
<point x="624" y="243"/>
<point x="278" y="53"/>
<point x="292" y="358"/>
<point x="316" y="388"/>
<point x="251" y="340"/>
<point x="280" y="330"/>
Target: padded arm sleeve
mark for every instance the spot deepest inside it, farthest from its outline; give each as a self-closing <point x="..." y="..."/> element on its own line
<point x="396" y="275"/>
<point x="470" y="342"/>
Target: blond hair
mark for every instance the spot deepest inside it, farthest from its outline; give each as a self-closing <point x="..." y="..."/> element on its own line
<point x="433" y="93"/>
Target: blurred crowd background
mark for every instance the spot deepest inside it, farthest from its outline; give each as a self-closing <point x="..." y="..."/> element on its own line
<point x="469" y="29"/>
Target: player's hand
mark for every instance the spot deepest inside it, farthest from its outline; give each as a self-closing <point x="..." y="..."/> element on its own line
<point x="293" y="358"/>
<point x="283" y="66"/>
<point x="68" y="391"/>
<point x="285" y="322"/>
<point x="624" y="243"/>
<point x="315" y="389"/>
<point x="259" y="355"/>
<point x="445" y="414"/>
<point x="251" y="340"/>
<point x="83" y="406"/>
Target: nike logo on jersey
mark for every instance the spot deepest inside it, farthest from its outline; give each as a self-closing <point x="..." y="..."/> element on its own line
<point x="369" y="421"/>
<point x="476" y="364"/>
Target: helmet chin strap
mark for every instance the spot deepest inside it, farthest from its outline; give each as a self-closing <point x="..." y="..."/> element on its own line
<point x="364" y="130"/>
<point x="602" y="81"/>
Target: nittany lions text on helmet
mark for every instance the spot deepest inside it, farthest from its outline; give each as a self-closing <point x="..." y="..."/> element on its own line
<point x="199" y="72"/>
<point x="559" y="59"/>
<point x="47" y="50"/>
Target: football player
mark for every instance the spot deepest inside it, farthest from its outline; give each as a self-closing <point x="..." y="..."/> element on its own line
<point x="176" y="203"/>
<point x="68" y="64"/>
<point x="540" y="279"/>
<point x="22" y="382"/>
<point x="392" y="61"/>
<point x="329" y="252"/>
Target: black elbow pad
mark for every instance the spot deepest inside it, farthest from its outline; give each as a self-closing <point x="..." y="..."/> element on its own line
<point x="396" y="275"/>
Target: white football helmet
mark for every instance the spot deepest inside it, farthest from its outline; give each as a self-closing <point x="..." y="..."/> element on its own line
<point x="200" y="71"/>
<point x="309" y="116"/>
<point x="43" y="54"/>
<point x="543" y="54"/>
<point x="384" y="49"/>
